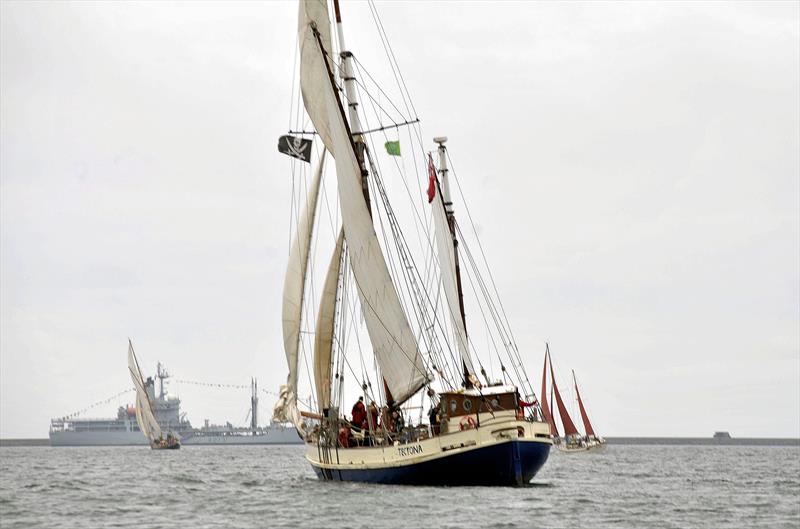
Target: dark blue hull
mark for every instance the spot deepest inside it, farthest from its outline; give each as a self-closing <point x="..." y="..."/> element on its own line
<point x="512" y="463"/>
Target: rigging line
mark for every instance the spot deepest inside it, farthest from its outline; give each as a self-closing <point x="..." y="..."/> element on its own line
<point x="484" y="289"/>
<point x="387" y="49"/>
<point x="480" y="246"/>
<point x="362" y="67"/>
<point x="400" y="243"/>
<point x="391" y="51"/>
<point x="414" y="290"/>
<point x="510" y="346"/>
<point x="489" y="332"/>
<point x="401" y="238"/>
<point x="418" y="217"/>
<point x="376" y="103"/>
<point x="489" y="304"/>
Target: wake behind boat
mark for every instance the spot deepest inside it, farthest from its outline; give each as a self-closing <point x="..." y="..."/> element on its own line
<point x="382" y="319"/>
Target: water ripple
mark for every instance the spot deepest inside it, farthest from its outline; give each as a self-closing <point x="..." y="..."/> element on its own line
<point x="624" y="486"/>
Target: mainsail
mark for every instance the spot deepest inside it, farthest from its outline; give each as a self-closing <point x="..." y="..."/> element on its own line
<point x="393" y="341"/>
<point x="586" y="424"/>
<point x="447" y="264"/>
<point x="293" y="291"/>
<point x="323" y="338"/>
<point x="545" y="407"/>
<point x="569" y="426"/>
<point x="145" y="415"/>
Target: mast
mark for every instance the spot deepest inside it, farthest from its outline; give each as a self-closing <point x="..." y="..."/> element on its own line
<point x="349" y="81"/>
<point x="451" y="224"/>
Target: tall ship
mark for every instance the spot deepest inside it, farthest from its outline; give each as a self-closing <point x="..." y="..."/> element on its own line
<point x="390" y="314"/>
<point x="124" y="428"/>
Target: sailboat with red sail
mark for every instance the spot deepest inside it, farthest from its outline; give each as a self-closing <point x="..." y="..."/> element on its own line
<point x="572" y="440"/>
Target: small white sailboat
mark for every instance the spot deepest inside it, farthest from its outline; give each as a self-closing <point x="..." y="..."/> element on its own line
<point x="145" y="414"/>
<point x="489" y="433"/>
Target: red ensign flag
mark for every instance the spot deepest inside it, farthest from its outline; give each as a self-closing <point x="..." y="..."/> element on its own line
<point x="432" y="179"/>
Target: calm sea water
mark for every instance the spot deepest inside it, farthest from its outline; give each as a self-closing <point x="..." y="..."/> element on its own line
<point x="623" y="486"/>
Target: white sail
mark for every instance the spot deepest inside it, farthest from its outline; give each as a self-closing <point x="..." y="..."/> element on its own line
<point x="447" y="266"/>
<point x="313" y="72"/>
<point x="392" y="340"/>
<point x="293" y="292"/>
<point x="145" y="415"/>
<point x="323" y="338"/>
<point x="140" y="419"/>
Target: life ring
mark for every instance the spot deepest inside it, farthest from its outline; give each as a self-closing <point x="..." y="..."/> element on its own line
<point x="467" y="423"/>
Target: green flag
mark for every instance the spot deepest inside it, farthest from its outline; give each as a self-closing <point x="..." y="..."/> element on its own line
<point x="393" y="148"/>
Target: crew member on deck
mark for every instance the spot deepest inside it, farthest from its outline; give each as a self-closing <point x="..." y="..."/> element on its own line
<point x="373" y="412"/>
<point x="359" y="413"/>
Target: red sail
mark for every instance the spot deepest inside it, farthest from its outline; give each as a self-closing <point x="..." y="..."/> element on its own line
<point x="586" y="424"/>
<point x="545" y="407"/>
<point x="569" y="426"/>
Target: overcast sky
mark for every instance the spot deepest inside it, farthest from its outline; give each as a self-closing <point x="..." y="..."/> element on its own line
<point x="634" y="170"/>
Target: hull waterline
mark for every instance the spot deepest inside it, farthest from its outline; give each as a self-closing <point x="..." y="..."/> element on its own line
<point x="508" y="463"/>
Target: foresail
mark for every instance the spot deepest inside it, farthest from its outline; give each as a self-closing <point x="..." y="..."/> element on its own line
<point x="586" y="424"/>
<point x="393" y="341"/>
<point x="323" y="341"/>
<point x="566" y="421"/>
<point x="293" y="293"/>
<point x="447" y="265"/>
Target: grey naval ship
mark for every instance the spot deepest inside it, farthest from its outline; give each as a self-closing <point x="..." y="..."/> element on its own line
<point x="124" y="430"/>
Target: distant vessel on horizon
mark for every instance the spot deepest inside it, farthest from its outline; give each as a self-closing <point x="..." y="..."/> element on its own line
<point x="124" y="430"/>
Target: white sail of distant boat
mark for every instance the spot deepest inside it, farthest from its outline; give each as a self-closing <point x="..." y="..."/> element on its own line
<point x="145" y="414"/>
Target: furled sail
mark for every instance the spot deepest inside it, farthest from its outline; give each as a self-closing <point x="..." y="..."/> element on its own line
<point x="145" y="415"/>
<point x="586" y="424"/>
<point x="447" y="265"/>
<point x="545" y="407"/>
<point x="293" y="291"/>
<point x="569" y="426"/>
<point x="392" y="339"/>
<point x="323" y="338"/>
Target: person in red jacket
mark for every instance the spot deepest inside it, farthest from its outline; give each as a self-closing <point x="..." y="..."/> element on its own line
<point x="374" y="413"/>
<point x="359" y="413"/>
